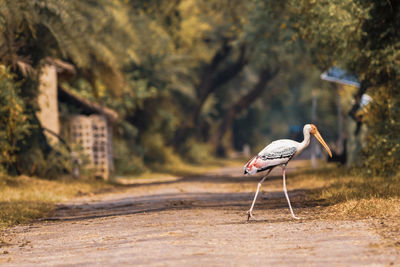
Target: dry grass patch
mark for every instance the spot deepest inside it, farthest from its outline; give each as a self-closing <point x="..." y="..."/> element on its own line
<point x="348" y="195"/>
<point x="335" y="184"/>
<point x="25" y="198"/>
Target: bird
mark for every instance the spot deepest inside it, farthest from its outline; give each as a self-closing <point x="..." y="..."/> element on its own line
<point x="279" y="153"/>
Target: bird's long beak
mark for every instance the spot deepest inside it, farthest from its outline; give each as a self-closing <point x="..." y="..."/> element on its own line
<point x="321" y="140"/>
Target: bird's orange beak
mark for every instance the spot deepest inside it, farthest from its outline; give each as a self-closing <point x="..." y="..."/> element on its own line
<point x="321" y="140"/>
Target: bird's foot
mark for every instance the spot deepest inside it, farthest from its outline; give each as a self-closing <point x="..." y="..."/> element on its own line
<point x="250" y="215"/>
<point x="296" y="218"/>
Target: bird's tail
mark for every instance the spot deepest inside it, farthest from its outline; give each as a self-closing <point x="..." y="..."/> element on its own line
<point x="249" y="168"/>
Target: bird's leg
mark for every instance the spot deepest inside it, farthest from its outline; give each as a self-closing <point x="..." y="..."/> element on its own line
<point x="249" y="214"/>
<point x="287" y="196"/>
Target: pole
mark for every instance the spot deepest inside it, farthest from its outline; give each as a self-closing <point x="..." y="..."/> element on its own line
<point x="339" y="149"/>
<point x="314" y="120"/>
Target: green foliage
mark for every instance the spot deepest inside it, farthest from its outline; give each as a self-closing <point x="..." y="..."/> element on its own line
<point x="13" y="118"/>
<point x="96" y="36"/>
<point x="382" y="152"/>
<point x="195" y="152"/>
<point x="173" y="69"/>
<point x="363" y="36"/>
<point x="128" y="154"/>
<point x="49" y="165"/>
<point x="380" y="58"/>
<point x="83" y="31"/>
<point x="125" y="160"/>
<point x="156" y="151"/>
<point x="274" y="40"/>
<point x="332" y="29"/>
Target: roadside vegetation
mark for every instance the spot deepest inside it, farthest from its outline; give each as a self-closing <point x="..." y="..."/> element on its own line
<point x="25" y="198"/>
<point x="193" y="79"/>
<point x="342" y="194"/>
<point x="350" y="193"/>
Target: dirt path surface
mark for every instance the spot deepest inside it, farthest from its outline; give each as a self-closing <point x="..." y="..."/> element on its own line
<point x="195" y="221"/>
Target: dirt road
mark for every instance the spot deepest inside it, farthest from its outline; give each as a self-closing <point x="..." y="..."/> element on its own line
<point x="196" y="221"/>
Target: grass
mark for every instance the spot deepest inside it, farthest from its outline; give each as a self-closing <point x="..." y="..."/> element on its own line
<point x="347" y="195"/>
<point x="25" y="198"/>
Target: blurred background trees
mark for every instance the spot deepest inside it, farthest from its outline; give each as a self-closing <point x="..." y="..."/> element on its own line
<point x="363" y="37"/>
<point x="196" y="78"/>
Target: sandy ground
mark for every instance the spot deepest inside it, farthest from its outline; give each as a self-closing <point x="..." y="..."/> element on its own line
<point x="194" y="221"/>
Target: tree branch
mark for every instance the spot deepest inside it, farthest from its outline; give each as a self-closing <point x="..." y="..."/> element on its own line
<point x="245" y="101"/>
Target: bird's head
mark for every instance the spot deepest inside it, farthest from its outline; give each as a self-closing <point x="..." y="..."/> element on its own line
<point x="314" y="131"/>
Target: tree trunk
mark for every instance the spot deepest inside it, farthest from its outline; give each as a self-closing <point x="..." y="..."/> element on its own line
<point x="245" y="101"/>
<point x="211" y="79"/>
<point x="48" y="103"/>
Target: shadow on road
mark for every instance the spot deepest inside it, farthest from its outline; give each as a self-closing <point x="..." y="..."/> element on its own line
<point x="194" y="192"/>
<point x="229" y="201"/>
<point x="214" y="179"/>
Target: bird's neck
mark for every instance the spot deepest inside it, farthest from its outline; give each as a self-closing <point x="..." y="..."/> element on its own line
<point x="306" y="140"/>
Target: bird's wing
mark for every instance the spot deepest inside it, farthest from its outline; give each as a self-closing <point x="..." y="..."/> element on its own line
<point x="276" y="153"/>
<point x="278" y="150"/>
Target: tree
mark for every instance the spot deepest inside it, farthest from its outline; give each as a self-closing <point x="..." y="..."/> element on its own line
<point x="205" y="51"/>
<point x="94" y="35"/>
<point x="84" y="32"/>
<point x="242" y="103"/>
<point x="14" y="121"/>
<point x="269" y="40"/>
<point x="363" y="36"/>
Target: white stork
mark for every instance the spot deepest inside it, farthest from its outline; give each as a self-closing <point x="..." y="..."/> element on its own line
<point x="279" y="153"/>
